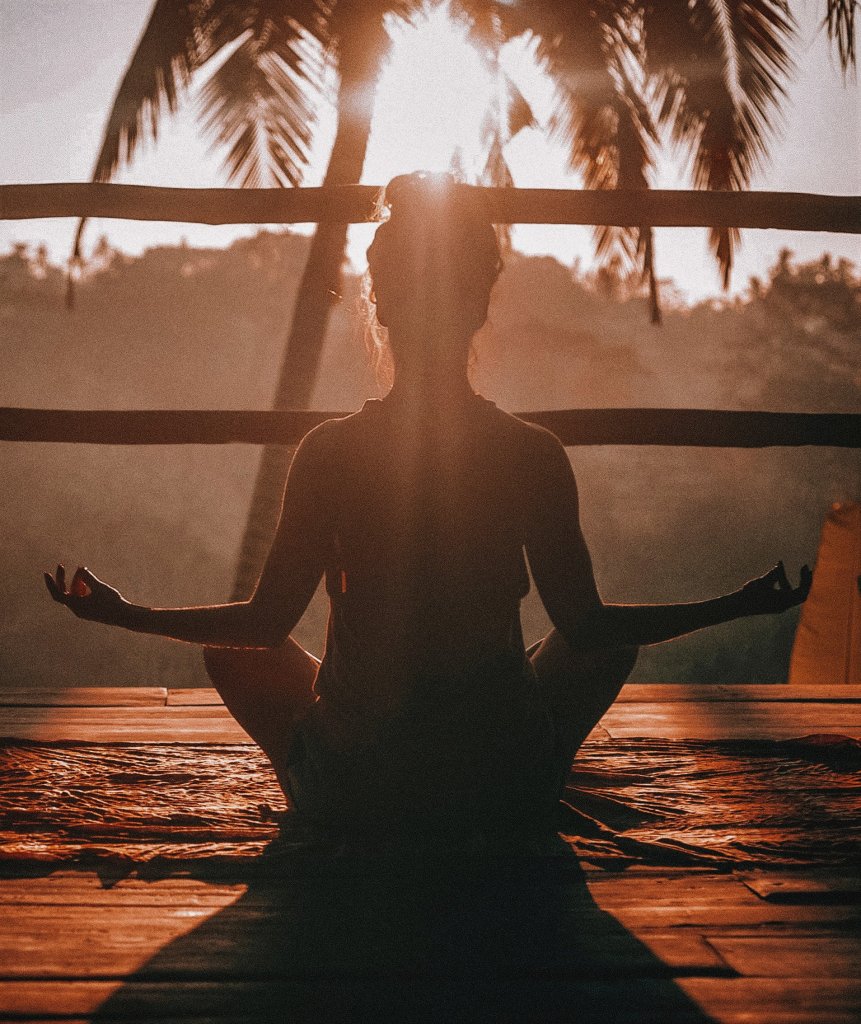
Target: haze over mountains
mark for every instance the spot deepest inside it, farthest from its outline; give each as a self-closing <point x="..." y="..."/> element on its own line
<point x="190" y="328"/>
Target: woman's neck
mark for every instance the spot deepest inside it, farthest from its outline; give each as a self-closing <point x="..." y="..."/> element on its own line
<point x="440" y="386"/>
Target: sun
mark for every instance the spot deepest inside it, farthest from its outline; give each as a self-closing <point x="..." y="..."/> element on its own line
<point x="432" y="97"/>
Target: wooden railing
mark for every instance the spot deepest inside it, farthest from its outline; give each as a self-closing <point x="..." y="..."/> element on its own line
<point x="789" y="211"/>
<point x="356" y="203"/>
<point x="707" y="428"/>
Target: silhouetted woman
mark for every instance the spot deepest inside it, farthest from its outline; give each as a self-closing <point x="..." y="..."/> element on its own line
<point x="422" y="511"/>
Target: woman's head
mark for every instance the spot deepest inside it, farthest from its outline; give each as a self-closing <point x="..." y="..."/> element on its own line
<point x="432" y="265"/>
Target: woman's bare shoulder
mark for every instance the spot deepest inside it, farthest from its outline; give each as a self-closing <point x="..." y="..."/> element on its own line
<point x="321" y="440"/>
<point x="536" y="441"/>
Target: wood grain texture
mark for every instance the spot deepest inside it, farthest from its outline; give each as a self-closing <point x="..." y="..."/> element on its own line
<point x="84" y="696"/>
<point x="632" y="693"/>
<point x="810" y="887"/>
<point x="743" y="720"/>
<point x="646" y="693"/>
<point x="792" y="956"/>
<point x="776" y="1001"/>
<point x="674" y="718"/>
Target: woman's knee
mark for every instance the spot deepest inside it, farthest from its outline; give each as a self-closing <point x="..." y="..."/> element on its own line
<point x="620" y="661"/>
<point x="222" y="664"/>
<point x="554" y="656"/>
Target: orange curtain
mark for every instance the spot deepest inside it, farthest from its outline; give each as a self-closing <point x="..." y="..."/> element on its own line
<point x="827" y="645"/>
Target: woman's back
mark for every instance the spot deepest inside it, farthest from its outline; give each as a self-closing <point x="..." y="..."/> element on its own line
<point x="424" y="515"/>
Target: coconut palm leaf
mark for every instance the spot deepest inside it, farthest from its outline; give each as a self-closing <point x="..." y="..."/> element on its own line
<point x="272" y="77"/>
<point x="600" y="115"/>
<point x="260" y="104"/>
<point x="840" y="24"/>
<point x="718" y="70"/>
<point x="158" y="73"/>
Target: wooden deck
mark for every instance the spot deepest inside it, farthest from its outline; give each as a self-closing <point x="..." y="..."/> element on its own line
<point x="137" y="885"/>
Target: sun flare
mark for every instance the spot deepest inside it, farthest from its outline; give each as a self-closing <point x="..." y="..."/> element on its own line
<point x="432" y="97"/>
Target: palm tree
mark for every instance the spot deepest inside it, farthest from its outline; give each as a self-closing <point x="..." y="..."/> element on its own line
<point x="709" y="73"/>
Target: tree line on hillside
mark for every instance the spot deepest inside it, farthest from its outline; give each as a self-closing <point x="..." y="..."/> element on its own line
<point x="199" y="328"/>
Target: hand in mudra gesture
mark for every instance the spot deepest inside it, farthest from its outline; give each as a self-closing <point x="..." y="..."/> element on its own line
<point x="87" y="596"/>
<point x="772" y="592"/>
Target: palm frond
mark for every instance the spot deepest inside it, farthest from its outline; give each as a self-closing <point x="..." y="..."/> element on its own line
<point x="601" y="115"/>
<point x="261" y="102"/>
<point x="840" y="25"/>
<point x="508" y="114"/>
<point x="253" y="105"/>
<point x="718" y="70"/>
<point x="160" y="69"/>
<point x="225" y="21"/>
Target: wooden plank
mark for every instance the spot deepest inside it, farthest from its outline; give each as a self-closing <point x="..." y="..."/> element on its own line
<point x="85" y="889"/>
<point x="811" y="887"/>
<point x="271" y="937"/>
<point x="828" y="639"/>
<point x="711" y="428"/>
<point x="671" y="889"/>
<point x="113" y="941"/>
<point x="736" y="919"/>
<point x="731" y="1001"/>
<point x="384" y="998"/>
<point x="83" y="696"/>
<point x="730" y="720"/>
<point x="791" y="956"/>
<point x="199" y="695"/>
<point x="146" y="724"/>
<point x="716" y="720"/>
<point x="632" y="693"/>
<point x="649" y="887"/>
<point x="191" y="731"/>
<point x="776" y="1000"/>
<point x="148" y="713"/>
<point x="648" y="693"/>
<point x="791" y="211"/>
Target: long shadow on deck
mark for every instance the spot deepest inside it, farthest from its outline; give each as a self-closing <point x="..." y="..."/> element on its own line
<point x="410" y="939"/>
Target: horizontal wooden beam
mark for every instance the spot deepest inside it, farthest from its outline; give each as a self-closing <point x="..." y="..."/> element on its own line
<point x="791" y="211"/>
<point x="708" y="428"/>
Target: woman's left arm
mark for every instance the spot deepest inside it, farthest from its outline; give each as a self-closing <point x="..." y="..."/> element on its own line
<point x="287" y="583"/>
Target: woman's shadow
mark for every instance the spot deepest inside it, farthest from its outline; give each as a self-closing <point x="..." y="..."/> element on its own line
<point x="409" y="938"/>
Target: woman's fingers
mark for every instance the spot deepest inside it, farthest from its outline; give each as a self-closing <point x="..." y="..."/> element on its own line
<point x="53" y="589"/>
<point x="80" y="587"/>
<point x="782" y="579"/>
<point x="82" y="582"/>
<point x="773" y="591"/>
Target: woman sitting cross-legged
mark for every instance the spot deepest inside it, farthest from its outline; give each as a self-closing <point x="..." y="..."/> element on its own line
<point x="422" y="511"/>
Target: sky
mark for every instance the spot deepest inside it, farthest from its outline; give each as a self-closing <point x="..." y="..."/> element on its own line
<point x="60" y="63"/>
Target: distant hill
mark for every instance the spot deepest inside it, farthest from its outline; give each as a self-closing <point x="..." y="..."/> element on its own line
<point x="190" y="328"/>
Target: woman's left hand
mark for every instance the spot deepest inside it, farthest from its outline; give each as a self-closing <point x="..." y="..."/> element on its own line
<point x="772" y="592"/>
<point x="87" y="596"/>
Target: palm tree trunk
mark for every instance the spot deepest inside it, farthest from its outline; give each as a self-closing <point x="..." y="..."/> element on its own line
<point x="360" y="57"/>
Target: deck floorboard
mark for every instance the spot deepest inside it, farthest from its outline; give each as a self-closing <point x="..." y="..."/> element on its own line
<point x="148" y="936"/>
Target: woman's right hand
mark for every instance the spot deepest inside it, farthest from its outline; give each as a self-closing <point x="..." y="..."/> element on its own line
<point x="772" y="592"/>
<point x="87" y="596"/>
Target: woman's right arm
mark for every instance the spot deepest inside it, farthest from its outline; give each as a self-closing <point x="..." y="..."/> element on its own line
<point x="288" y="581"/>
<point x="562" y="569"/>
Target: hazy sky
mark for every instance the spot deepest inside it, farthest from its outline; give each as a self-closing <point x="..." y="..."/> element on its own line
<point x="60" y="63"/>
